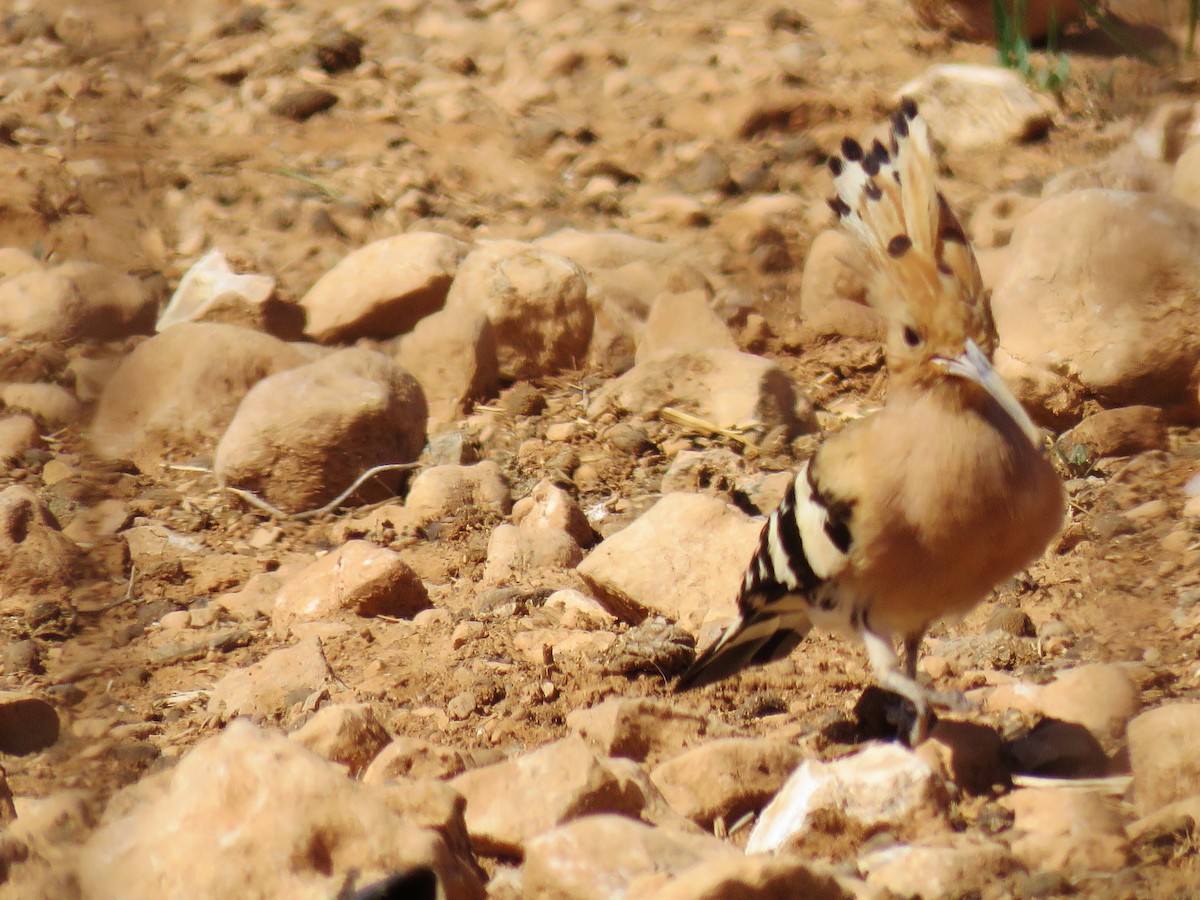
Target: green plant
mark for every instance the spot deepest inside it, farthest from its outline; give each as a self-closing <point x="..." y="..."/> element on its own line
<point x="1014" y="48"/>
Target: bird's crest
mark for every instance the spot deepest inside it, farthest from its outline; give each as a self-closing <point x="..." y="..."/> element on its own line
<point x="888" y="200"/>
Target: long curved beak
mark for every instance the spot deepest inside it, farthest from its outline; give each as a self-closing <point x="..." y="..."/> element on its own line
<point x="974" y="366"/>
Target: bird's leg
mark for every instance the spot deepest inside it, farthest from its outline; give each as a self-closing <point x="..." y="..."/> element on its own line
<point x="886" y="664"/>
<point x="952" y="701"/>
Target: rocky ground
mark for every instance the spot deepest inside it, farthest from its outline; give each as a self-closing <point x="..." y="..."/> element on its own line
<point x="564" y="271"/>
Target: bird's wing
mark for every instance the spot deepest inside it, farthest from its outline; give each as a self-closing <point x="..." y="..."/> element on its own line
<point x="803" y="545"/>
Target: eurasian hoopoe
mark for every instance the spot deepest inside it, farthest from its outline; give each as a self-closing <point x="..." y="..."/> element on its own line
<point x="916" y="511"/>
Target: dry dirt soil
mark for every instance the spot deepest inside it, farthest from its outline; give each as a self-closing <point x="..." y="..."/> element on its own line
<point x="141" y="135"/>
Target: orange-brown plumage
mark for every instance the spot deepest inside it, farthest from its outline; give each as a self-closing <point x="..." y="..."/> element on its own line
<point x="919" y="510"/>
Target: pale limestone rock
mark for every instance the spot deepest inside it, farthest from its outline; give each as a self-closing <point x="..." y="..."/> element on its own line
<point x="77" y="301"/>
<point x="566" y="777"/>
<point x="684" y="558"/>
<point x="514" y="553"/>
<point x="302" y="436"/>
<point x="726" y="778"/>
<point x="346" y="733"/>
<point x="640" y="728"/>
<point x="833" y="291"/>
<point x="383" y="289"/>
<point x="1098" y="293"/>
<point x="953" y="868"/>
<point x="969" y="107"/>
<point x="884" y="785"/>
<point x="536" y="301"/>
<point x="1118" y="432"/>
<point x="598" y="856"/>
<point x="1162" y="755"/>
<point x="725" y="388"/>
<point x="281" y="821"/>
<point x="18" y="434"/>
<point x="444" y="492"/>
<point x="37" y="555"/>
<point x="270" y="688"/>
<point x="549" y="506"/>
<point x="359" y="578"/>
<point x="730" y="877"/>
<point x="682" y="322"/>
<point x="175" y="394"/>
<point x="1059" y="828"/>
<point x="409" y="757"/>
<point x="452" y="354"/>
<point x="51" y="404"/>
<point x="1101" y="698"/>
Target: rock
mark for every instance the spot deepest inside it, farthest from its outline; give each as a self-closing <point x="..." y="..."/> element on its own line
<point x="973" y="755"/>
<point x="1164" y="820"/>
<point x="383" y="289"/>
<point x="1057" y="749"/>
<point x="725" y="388"/>
<point x="833" y="292"/>
<point x="1101" y="698"/>
<point x="302" y="436"/>
<point x="444" y="492"/>
<point x="14" y="261"/>
<point x="37" y="555"/>
<point x="550" y="507"/>
<point x="1072" y="305"/>
<point x="513" y="553"/>
<point x="679" y="323"/>
<point x="27" y="724"/>
<point x="175" y="394"/>
<point x="269" y="689"/>
<point x="577" y="610"/>
<point x="452" y="354"/>
<point x="715" y="471"/>
<point x="1169" y="131"/>
<point x="683" y="558"/>
<point x="1185" y="178"/>
<point x="596" y="857"/>
<point x="1162" y="755"/>
<point x="744" y="878"/>
<point x="597" y="250"/>
<point x="1060" y="828"/>
<point x="960" y="867"/>
<point x="18" y="434"/>
<point x="346" y="733"/>
<point x="409" y="757"/>
<point x="969" y="106"/>
<point x="302" y="104"/>
<point x="283" y="822"/>
<point x="725" y="779"/>
<point x="536" y="301"/>
<point x="211" y="291"/>
<point x="882" y="786"/>
<point x="639" y="728"/>
<point x="51" y="404"/>
<point x="77" y="301"/>
<point x="567" y="778"/>
<point x="98" y="522"/>
<point x="994" y="219"/>
<point x="973" y="20"/>
<point x="358" y="577"/>
<point x="1118" y="432"/>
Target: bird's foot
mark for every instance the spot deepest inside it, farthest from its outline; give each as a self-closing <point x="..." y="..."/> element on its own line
<point x="950" y="701"/>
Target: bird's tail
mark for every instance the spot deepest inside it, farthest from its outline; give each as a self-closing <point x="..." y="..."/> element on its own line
<point x="761" y="637"/>
<point x="887" y="198"/>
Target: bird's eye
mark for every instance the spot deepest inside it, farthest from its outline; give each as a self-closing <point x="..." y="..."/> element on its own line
<point x="911" y="337"/>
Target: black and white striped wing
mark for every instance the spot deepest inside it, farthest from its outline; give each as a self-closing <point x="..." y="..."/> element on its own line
<point x="803" y="545"/>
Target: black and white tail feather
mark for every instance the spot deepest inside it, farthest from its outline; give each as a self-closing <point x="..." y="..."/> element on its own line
<point x="803" y="544"/>
<point x="887" y="199"/>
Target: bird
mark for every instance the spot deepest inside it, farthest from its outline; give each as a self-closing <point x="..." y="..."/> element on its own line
<point x="917" y="511"/>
